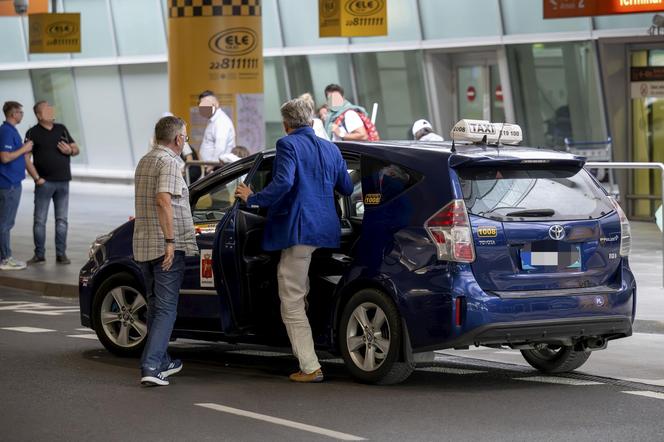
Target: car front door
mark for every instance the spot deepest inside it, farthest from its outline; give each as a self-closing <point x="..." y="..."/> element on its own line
<point x="203" y="303"/>
<point x="246" y="271"/>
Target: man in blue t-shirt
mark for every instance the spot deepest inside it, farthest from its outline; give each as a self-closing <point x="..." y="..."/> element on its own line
<point x="12" y="172"/>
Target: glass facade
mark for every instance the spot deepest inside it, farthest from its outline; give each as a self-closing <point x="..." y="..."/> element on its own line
<point x="556" y="93"/>
<point x="111" y="94"/>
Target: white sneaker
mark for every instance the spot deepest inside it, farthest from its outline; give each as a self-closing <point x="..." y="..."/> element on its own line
<point x="12" y="264"/>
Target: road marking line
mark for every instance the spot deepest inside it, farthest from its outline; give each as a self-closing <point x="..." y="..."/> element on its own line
<point x="508" y="352"/>
<point x="86" y="336"/>
<point x="28" y="329"/>
<point x="656" y="382"/>
<point x="48" y="313"/>
<point x="557" y="380"/>
<point x="279" y="421"/>
<point x="650" y="394"/>
<point x="39" y="313"/>
<point x="83" y="329"/>
<point x="448" y="370"/>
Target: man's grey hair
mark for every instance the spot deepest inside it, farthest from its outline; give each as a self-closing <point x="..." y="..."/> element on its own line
<point x="297" y="113"/>
<point x="167" y="128"/>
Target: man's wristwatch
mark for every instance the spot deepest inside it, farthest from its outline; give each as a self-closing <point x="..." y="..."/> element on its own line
<point x="169" y="240"/>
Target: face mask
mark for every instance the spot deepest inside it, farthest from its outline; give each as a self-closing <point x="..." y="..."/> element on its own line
<point x="206" y="111"/>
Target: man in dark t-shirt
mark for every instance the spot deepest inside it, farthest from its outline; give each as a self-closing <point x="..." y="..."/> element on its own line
<point x="51" y="170"/>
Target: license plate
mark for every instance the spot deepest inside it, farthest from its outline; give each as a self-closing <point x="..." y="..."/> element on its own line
<point x="547" y="255"/>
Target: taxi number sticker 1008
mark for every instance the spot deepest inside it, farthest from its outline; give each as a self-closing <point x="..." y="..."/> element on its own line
<point x="372" y="199"/>
<point x="487" y="232"/>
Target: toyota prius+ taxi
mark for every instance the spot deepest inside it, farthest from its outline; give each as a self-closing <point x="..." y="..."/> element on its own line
<point x="471" y="242"/>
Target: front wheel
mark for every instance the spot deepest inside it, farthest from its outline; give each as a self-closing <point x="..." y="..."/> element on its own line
<point x="371" y="337"/>
<point x="119" y="315"/>
<point x="555" y="358"/>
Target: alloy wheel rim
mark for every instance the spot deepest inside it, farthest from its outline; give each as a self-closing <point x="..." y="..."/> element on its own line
<point x="124" y="316"/>
<point x="368" y="336"/>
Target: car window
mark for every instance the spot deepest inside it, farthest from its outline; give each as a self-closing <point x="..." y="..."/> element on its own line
<point x="213" y="204"/>
<point x="356" y="199"/>
<point x="517" y="193"/>
<point x="382" y="181"/>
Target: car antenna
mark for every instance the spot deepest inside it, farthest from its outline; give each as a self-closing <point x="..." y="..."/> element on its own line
<point x="500" y="135"/>
<point x="453" y="148"/>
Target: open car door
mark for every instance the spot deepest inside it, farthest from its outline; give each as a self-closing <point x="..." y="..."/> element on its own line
<point x="242" y="269"/>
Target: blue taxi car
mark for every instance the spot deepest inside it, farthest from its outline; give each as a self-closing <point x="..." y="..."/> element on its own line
<point x="473" y="242"/>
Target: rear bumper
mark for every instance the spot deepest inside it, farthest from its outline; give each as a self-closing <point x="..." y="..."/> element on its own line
<point x="551" y="331"/>
<point x="543" y="316"/>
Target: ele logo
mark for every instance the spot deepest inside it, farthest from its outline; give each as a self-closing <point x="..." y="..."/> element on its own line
<point x="364" y="7"/>
<point x="235" y="41"/>
<point x="489" y="232"/>
<point x="61" y="29"/>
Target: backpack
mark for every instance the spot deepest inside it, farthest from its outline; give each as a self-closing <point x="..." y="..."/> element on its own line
<point x="372" y="132"/>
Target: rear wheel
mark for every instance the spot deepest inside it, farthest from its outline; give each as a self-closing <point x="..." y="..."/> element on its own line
<point x="555" y="358"/>
<point x="119" y="315"/>
<point x="371" y="336"/>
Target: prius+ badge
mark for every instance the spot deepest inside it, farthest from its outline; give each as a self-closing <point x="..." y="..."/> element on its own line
<point x="557" y="232"/>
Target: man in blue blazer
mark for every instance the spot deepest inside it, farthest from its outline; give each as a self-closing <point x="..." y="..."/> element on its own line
<point x="301" y="218"/>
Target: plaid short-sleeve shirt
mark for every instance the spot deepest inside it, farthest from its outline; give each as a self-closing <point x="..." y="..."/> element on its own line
<point x="160" y="170"/>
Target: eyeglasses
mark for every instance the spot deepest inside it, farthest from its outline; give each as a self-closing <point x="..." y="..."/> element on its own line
<point x="186" y="137"/>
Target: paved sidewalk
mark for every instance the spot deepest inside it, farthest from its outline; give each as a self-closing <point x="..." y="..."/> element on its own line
<point x="95" y="209"/>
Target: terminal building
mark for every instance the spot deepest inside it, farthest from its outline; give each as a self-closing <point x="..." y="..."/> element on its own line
<point x="497" y="60"/>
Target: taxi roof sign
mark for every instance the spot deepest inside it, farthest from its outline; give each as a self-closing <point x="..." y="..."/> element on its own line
<point x="475" y="131"/>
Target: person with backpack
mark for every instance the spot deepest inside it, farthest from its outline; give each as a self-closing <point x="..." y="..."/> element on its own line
<point x="346" y="121"/>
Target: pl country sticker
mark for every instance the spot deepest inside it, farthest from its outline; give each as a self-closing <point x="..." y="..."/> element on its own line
<point x="207" y="277"/>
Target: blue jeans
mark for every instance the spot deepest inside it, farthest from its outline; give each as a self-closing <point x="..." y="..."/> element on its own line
<point x="162" y="291"/>
<point x="58" y="191"/>
<point x="9" y="200"/>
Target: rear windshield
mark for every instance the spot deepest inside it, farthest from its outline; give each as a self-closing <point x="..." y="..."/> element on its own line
<point x="532" y="193"/>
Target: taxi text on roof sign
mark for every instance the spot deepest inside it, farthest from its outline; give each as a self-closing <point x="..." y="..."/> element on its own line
<point x="352" y="18"/>
<point x="54" y="33"/>
<point x="586" y="8"/>
<point x="474" y="131"/>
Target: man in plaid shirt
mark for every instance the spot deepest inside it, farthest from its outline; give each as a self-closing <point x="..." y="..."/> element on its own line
<point x="163" y="235"/>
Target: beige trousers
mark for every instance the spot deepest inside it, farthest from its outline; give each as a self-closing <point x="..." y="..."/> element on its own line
<point x="293" y="276"/>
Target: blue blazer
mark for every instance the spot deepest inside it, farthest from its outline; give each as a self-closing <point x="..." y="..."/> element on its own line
<point x="300" y="199"/>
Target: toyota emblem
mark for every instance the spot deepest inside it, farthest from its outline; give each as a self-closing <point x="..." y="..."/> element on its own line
<point x="557" y="232"/>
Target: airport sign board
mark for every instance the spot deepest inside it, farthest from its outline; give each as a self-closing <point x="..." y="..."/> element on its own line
<point x="55" y="33"/>
<point x="588" y="8"/>
<point x="352" y="18"/>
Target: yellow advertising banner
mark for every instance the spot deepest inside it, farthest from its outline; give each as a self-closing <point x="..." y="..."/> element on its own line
<point x="217" y="45"/>
<point x="352" y="18"/>
<point x="34" y="7"/>
<point x="54" y="33"/>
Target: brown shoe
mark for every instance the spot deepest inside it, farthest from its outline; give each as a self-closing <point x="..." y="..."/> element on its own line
<point x="316" y="376"/>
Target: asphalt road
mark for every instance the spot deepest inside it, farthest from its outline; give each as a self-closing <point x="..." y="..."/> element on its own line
<point x="58" y="383"/>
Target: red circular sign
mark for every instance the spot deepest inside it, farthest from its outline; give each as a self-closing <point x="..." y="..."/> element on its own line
<point x="470" y="93"/>
<point x="499" y="93"/>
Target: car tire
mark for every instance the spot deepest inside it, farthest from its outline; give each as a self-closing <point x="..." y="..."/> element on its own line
<point x="555" y="359"/>
<point x="371" y="326"/>
<point x="121" y="331"/>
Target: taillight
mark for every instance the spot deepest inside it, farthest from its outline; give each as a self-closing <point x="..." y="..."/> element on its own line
<point x="450" y="231"/>
<point x="625" y="230"/>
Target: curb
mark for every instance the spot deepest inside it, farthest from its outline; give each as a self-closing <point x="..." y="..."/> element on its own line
<point x="648" y="326"/>
<point x="41" y="287"/>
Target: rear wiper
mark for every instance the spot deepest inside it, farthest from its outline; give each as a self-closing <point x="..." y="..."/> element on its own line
<point x="532" y="212"/>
